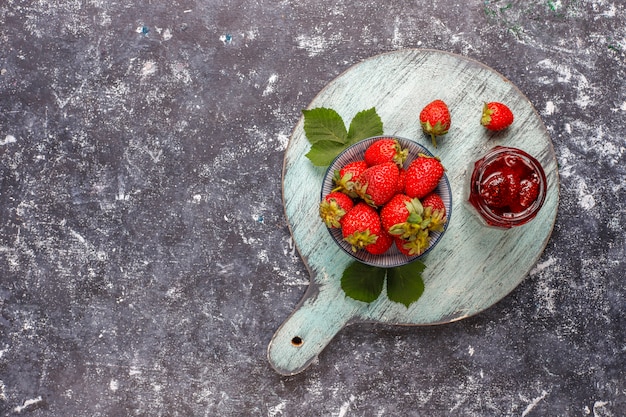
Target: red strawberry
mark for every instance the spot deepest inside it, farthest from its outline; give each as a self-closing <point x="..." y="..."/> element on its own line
<point x="528" y="193"/>
<point x="401" y="180"/>
<point x="435" y="119"/>
<point x="345" y="178"/>
<point x="435" y="202"/>
<point x="501" y="188"/>
<point x="415" y="246"/>
<point x="360" y="227"/>
<point x="422" y="176"/>
<point x="385" y="150"/>
<point x="397" y="211"/>
<point x="400" y="245"/>
<point x="496" y="116"/>
<point x="333" y="207"/>
<point x="408" y="218"/>
<point x="494" y="191"/>
<point x="378" y="183"/>
<point x="382" y="244"/>
<point x="434" y="212"/>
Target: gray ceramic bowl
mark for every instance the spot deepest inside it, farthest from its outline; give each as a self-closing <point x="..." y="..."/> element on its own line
<point x="393" y="257"/>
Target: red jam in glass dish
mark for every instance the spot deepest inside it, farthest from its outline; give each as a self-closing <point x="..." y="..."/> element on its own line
<point x="507" y="187"/>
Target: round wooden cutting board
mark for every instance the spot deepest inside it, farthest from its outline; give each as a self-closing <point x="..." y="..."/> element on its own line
<point x="473" y="266"/>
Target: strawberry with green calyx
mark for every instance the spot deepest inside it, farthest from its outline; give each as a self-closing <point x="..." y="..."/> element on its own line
<point x="382" y="244"/>
<point x="333" y="207"/>
<point x="435" y="202"/>
<point x="385" y="150"/>
<point x="435" y="119"/>
<point x="345" y="178"/>
<point x="496" y="116"/>
<point x="408" y="218"/>
<point x="401" y="216"/>
<point x="360" y="227"/>
<point x="422" y="176"/>
<point x="415" y="246"/>
<point x="378" y="183"/>
<point x="435" y="211"/>
<point x="399" y="242"/>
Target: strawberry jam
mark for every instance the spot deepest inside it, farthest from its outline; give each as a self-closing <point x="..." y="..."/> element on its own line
<point x="507" y="187"/>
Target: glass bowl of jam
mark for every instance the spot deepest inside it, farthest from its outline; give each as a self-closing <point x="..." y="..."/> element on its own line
<point x="507" y="187"/>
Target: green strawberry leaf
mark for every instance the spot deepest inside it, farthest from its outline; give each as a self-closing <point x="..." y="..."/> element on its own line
<point x="405" y="284"/>
<point x="326" y="131"/>
<point x="322" y="124"/>
<point x="363" y="282"/>
<point x="323" y="152"/>
<point x="365" y="124"/>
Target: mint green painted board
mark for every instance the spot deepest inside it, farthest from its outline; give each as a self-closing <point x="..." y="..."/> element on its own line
<point x="473" y="266"/>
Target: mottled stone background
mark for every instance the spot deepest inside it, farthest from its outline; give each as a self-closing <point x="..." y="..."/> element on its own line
<point x="145" y="261"/>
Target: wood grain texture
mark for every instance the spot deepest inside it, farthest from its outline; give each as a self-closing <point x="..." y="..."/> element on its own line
<point x="473" y="266"/>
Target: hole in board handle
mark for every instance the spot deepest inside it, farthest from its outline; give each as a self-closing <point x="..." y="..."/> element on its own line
<point x="297" y="341"/>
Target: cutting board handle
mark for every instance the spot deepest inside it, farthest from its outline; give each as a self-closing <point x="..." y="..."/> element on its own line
<point x="321" y="314"/>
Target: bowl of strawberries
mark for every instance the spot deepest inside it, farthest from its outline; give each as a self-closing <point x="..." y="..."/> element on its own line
<point x="386" y="201"/>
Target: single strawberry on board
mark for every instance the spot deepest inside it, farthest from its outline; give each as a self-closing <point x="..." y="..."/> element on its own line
<point x="360" y="226"/>
<point x="385" y="150"/>
<point x="378" y="183"/>
<point x="333" y="207"/>
<point x="345" y="178"/>
<point x="435" y="119"/>
<point x="496" y="116"/>
<point x="422" y="176"/>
